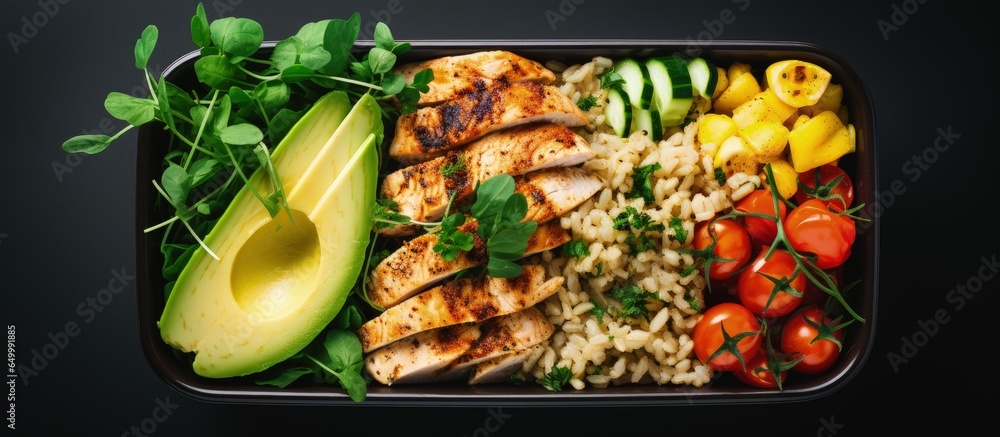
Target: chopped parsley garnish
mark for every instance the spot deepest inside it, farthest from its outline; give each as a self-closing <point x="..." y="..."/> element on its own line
<point x="634" y="300"/>
<point x="556" y="378"/>
<point x="586" y="103"/>
<point x="720" y="175"/>
<point x="679" y="232"/>
<point x="640" y="223"/>
<point x="597" y="311"/>
<point x="641" y="185"/>
<point x="612" y="79"/>
<point x="576" y="249"/>
<point x="693" y="301"/>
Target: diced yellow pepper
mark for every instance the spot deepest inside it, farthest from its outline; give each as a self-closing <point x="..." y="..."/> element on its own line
<point x="740" y="90"/>
<point x="829" y="101"/>
<point x="786" y="179"/>
<point x="764" y="106"/>
<point x="737" y="69"/>
<point x="800" y="120"/>
<point x="715" y="128"/>
<point x="820" y="140"/>
<point x="767" y="138"/>
<point x="797" y="83"/>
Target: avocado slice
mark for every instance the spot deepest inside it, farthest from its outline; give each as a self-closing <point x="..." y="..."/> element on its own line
<point x="280" y="281"/>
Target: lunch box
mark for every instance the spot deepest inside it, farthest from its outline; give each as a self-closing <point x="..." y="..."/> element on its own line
<point x="175" y="368"/>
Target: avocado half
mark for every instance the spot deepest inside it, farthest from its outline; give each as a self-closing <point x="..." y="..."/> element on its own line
<point x="280" y="281"/>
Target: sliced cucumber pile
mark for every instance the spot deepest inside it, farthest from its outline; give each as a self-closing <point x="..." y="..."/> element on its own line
<point x="657" y="93"/>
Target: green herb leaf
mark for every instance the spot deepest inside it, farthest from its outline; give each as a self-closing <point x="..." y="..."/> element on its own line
<point x="338" y="40"/>
<point x="216" y="71"/>
<point x="203" y="170"/>
<point x="597" y="311"/>
<point x="243" y="134"/>
<point x="130" y="109"/>
<point x="89" y="144"/>
<point x="576" y="249"/>
<point x="199" y="28"/>
<point x="678" y="227"/>
<point x="720" y="175"/>
<point x="238" y="38"/>
<point x="641" y="184"/>
<point x="385" y="214"/>
<point x="296" y="73"/>
<point x="393" y="83"/>
<point x="177" y="184"/>
<point x="558" y="377"/>
<point x="634" y="300"/>
<point x="491" y="195"/>
<point x="612" y="79"/>
<point x="286" y="377"/>
<point x="144" y="46"/>
<point x="586" y="103"/>
<point x="380" y="60"/>
<point x="453" y="167"/>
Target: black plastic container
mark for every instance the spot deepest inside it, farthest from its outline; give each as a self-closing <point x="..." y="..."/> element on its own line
<point x="863" y="265"/>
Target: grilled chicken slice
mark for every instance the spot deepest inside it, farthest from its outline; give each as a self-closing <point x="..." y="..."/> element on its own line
<point x="550" y="193"/>
<point x="499" y="336"/>
<point x="499" y="369"/>
<point x="415" y="266"/>
<point x="452" y="352"/>
<point x="423" y="192"/>
<point x="456" y="75"/>
<point x="553" y="192"/>
<point x="460" y="301"/>
<point x="432" y="131"/>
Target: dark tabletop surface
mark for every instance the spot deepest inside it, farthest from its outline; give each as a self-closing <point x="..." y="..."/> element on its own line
<point x="67" y="222"/>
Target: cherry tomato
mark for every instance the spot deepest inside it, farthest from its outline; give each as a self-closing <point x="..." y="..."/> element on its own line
<point x="812" y="228"/>
<point x="732" y="247"/>
<point x="758" y="372"/>
<point x="828" y="183"/>
<point x="765" y="286"/>
<point x="739" y="324"/>
<point x="761" y="230"/>
<point x="817" y="343"/>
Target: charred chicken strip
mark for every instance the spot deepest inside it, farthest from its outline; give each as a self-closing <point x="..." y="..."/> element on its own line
<point x="423" y="191"/>
<point x="456" y="75"/>
<point x="460" y="301"/>
<point x="452" y="352"/>
<point x="415" y="266"/>
<point x="431" y="132"/>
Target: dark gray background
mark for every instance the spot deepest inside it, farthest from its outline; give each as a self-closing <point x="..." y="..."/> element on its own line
<point x="64" y="234"/>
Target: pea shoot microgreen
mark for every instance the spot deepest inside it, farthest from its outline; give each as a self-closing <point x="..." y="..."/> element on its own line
<point x="221" y="132"/>
<point x="246" y="101"/>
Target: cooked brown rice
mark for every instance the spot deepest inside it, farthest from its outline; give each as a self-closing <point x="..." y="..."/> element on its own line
<point x="640" y="350"/>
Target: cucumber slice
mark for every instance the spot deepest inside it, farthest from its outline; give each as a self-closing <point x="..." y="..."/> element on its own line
<point x="638" y="85"/>
<point x="648" y="120"/>
<point x="704" y="76"/>
<point x="618" y="112"/>
<point x="672" y="90"/>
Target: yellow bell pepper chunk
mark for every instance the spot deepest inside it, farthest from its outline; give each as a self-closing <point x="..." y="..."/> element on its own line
<point x="764" y="106"/>
<point x="819" y="140"/>
<point x="767" y="138"/>
<point x="786" y="179"/>
<point x="740" y="89"/>
<point x="797" y="83"/>
<point x="715" y="128"/>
